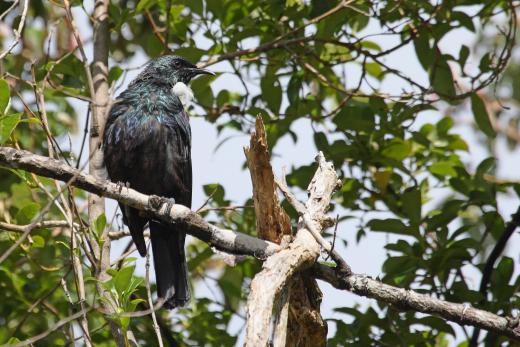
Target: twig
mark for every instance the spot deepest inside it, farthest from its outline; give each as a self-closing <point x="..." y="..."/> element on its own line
<point x="310" y="224"/>
<point x="224" y="208"/>
<point x="77" y="37"/>
<point x="150" y="303"/>
<point x="15" y="3"/>
<point x="38" y="301"/>
<point x="279" y="41"/>
<point x="155" y="28"/>
<point x="17" y="32"/>
<point x="67" y="213"/>
<point x="490" y="264"/>
<point x="41" y="225"/>
<point x="334" y="236"/>
<point x="37" y="219"/>
<point x="56" y="326"/>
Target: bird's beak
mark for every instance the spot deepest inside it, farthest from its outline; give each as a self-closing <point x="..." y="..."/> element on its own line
<point x="197" y="71"/>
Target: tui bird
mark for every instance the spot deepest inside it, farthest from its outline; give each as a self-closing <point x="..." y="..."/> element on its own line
<point x="147" y="145"/>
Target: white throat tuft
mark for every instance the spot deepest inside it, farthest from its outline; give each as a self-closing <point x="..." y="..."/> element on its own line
<point x="184" y="93"/>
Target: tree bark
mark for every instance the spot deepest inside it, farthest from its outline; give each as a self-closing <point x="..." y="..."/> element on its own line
<point x="278" y="270"/>
<point x="298" y="316"/>
<point x="96" y="204"/>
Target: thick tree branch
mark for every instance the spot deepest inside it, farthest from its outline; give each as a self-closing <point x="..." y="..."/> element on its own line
<point x="307" y="219"/>
<point x="405" y="299"/>
<point x="222" y="239"/>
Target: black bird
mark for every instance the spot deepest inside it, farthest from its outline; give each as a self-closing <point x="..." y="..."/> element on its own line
<point x="147" y="145"/>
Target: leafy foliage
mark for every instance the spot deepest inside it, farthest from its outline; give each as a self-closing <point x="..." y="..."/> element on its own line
<point x="404" y="156"/>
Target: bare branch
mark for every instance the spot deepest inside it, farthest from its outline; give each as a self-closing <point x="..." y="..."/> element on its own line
<point x="13" y="5"/>
<point x="17" y="32"/>
<point x="311" y="225"/>
<point x="405" y="299"/>
<point x="62" y="322"/>
<point x="41" y="225"/>
<point x="223" y="239"/>
<point x="150" y="303"/>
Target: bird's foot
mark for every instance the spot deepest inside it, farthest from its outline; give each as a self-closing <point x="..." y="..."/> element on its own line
<point x="121" y="185"/>
<point x="157" y="202"/>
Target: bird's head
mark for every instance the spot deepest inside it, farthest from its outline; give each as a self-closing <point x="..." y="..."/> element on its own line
<point x="174" y="69"/>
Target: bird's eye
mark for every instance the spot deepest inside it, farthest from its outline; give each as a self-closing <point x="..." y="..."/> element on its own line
<point x="176" y="64"/>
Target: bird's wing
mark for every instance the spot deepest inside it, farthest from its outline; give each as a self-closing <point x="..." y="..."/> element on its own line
<point x="116" y="157"/>
<point x="178" y="171"/>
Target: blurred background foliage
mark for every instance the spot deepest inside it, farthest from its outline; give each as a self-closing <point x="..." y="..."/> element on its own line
<point x="403" y="141"/>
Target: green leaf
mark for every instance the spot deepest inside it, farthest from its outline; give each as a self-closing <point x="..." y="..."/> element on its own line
<point x="388" y="225"/>
<point x="399" y="265"/>
<point x="272" y="93"/>
<point x="423" y="49"/>
<point x="99" y="224"/>
<point x="7" y="124"/>
<point x="441" y="78"/>
<point x="481" y="115"/>
<point x="293" y="88"/>
<point x="443" y="168"/>
<point x="505" y="270"/>
<point x="412" y="204"/>
<point x="27" y="213"/>
<point x="122" y="279"/>
<point x="215" y="192"/>
<point x="485" y="166"/>
<point x="114" y="74"/>
<point x="357" y="118"/>
<point x="398" y="149"/>
<point x="144" y="5"/>
<point x="38" y="241"/>
<point x="463" y="55"/>
<point x="4" y="96"/>
<point x="374" y="70"/>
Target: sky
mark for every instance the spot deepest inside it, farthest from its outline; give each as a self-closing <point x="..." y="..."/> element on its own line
<point x="225" y="165"/>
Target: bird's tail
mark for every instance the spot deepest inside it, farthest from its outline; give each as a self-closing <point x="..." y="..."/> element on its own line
<point x="171" y="271"/>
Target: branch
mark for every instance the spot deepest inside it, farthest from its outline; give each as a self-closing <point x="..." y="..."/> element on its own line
<point x="406" y="299"/>
<point x="222" y="239"/>
<point x="490" y="264"/>
<point x="41" y="225"/>
<point x="307" y="219"/>
<point x="59" y="324"/>
<point x="272" y="222"/>
<point x="17" y="32"/>
<point x="280" y="41"/>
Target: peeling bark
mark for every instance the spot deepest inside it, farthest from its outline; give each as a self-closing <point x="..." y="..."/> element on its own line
<point x="279" y="268"/>
<point x="303" y="325"/>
